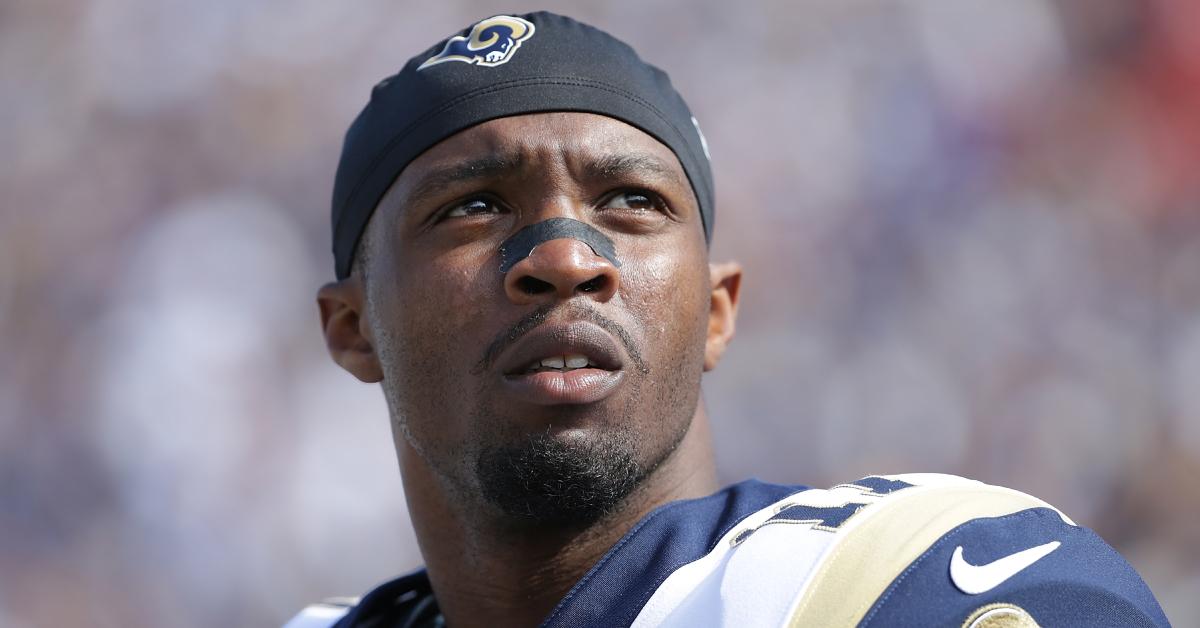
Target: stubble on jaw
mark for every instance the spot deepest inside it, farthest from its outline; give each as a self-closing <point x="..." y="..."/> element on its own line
<point x="566" y="479"/>
<point x="558" y="477"/>
<point x="547" y="480"/>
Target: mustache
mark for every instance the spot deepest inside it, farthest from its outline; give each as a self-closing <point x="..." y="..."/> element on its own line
<point x="535" y="319"/>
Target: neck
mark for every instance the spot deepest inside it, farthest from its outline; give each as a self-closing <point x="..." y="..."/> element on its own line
<point x="485" y="573"/>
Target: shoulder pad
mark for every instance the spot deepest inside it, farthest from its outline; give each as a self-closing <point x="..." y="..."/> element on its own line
<point x="839" y="556"/>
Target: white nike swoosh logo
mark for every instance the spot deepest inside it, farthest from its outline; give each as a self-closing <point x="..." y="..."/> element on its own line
<point x="976" y="579"/>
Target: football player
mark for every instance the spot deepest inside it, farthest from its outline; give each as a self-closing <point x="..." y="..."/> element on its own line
<point x="521" y="220"/>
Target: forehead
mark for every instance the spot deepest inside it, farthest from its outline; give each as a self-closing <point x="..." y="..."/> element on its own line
<point x="574" y="135"/>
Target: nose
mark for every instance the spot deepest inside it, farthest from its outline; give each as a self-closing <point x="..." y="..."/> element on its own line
<point x="561" y="269"/>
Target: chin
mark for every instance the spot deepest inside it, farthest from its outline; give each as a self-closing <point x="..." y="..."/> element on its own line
<point x="573" y="476"/>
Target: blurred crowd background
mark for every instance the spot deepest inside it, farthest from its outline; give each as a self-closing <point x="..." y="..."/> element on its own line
<point x="971" y="231"/>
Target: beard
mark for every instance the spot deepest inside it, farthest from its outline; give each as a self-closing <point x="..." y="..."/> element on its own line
<point x="574" y="479"/>
<point x="551" y="478"/>
<point x="548" y="480"/>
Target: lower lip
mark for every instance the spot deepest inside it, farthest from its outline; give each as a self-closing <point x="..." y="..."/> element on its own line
<point x="551" y="388"/>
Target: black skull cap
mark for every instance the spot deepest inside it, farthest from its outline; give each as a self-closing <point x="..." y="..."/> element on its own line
<point x="505" y="66"/>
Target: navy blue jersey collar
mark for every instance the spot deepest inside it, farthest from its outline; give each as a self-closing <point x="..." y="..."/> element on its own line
<point x="614" y="591"/>
<point x="616" y="588"/>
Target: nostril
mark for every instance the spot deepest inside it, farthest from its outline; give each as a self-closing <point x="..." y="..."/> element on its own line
<point x="595" y="284"/>
<point x="533" y="285"/>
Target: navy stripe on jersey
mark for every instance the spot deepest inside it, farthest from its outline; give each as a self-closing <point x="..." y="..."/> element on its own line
<point x="881" y="486"/>
<point x="1083" y="582"/>
<point x="617" y="587"/>
<point x="821" y="517"/>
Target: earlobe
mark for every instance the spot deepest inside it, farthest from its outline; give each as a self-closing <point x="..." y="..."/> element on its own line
<point x="348" y="341"/>
<point x="722" y="314"/>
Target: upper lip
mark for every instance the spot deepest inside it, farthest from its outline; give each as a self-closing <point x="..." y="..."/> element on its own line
<point x="583" y="338"/>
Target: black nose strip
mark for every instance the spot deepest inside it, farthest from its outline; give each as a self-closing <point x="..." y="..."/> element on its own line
<point x="521" y="244"/>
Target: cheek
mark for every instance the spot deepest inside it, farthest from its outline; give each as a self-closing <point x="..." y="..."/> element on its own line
<point x="666" y="292"/>
<point x="442" y="299"/>
<point x="434" y="333"/>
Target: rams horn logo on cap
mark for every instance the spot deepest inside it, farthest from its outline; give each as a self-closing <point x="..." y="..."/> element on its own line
<point x="490" y="43"/>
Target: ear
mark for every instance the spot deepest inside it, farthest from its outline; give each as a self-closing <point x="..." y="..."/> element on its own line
<point x="726" y="282"/>
<point x="346" y="334"/>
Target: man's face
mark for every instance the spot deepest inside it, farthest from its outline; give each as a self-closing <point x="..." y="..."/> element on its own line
<point x="469" y="355"/>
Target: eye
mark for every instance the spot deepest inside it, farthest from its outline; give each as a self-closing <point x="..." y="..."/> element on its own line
<point x="634" y="200"/>
<point x="473" y="207"/>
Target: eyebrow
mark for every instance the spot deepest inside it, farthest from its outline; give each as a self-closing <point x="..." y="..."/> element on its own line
<point x="610" y="166"/>
<point x="480" y="168"/>
<point x="628" y="164"/>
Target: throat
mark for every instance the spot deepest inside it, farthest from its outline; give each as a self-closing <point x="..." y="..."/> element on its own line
<point x="521" y="578"/>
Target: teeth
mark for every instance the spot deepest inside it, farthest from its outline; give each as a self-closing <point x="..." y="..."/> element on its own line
<point x="576" y="361"/>
<point x="560" y="363"/>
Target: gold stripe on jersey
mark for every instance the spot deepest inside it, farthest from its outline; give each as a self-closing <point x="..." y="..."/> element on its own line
<point x="885" y="538"/>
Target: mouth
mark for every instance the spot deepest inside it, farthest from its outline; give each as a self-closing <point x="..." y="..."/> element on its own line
<point x="560" y="364"/>
<point x="576" y="363"/>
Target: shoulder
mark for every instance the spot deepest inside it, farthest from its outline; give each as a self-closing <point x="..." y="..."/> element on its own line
<point x="918" y="549"/>
<point x="915" y="549"/>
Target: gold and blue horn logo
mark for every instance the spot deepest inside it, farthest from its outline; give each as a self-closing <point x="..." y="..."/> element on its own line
<point x="490" y="43"/>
